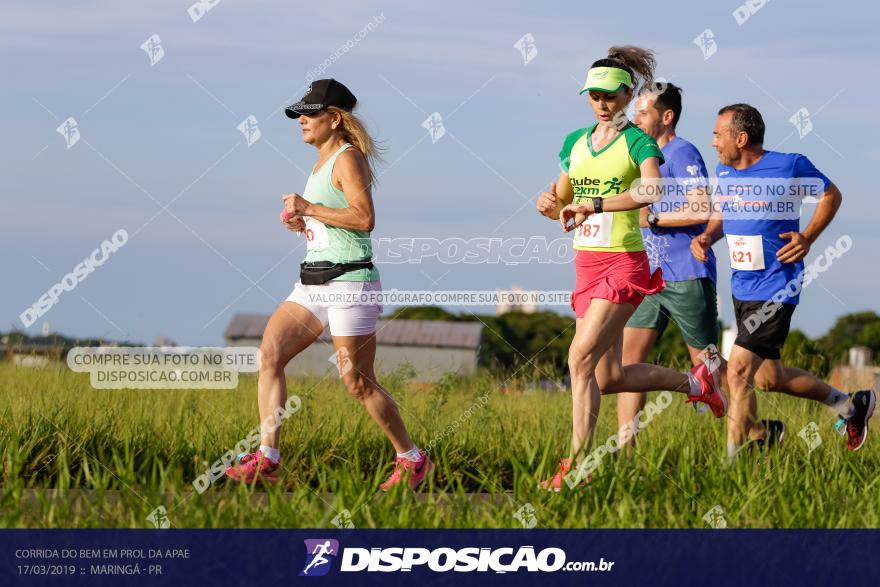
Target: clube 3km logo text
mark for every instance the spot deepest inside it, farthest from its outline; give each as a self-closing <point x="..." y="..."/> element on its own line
<point x="321" y="555"/>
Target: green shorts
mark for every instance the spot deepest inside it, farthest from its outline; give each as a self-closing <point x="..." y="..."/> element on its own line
<point x="692" y="304"/>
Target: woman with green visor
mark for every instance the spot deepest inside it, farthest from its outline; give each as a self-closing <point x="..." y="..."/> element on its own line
<point x="597" y="196"/>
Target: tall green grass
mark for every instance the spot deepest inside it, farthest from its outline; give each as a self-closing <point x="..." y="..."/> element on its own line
<point x="73" y="456"/>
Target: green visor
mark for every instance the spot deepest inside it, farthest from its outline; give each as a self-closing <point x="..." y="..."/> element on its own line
<point x="607" y="79"/>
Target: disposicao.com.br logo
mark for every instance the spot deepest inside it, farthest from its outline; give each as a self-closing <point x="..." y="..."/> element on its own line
<point x="442" y="559"/>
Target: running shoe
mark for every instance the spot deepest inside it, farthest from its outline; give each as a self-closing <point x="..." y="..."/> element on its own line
<point x="416" y="470"/>
<point x="253" y="467"/>
<point x="774" y="432"/>
<point x="857" y="425"/>
<point x="556" y="482"/>
<point x="710" y="390"/>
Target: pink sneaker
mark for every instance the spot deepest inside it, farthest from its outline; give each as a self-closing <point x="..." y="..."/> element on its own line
<point x="710" y="390"/>
<point x="254" y="467"/>
<point x="418" y="470"/>
<point x="556" y="482"/>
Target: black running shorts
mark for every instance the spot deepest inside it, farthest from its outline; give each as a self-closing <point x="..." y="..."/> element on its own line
<point x="762" y="327"/>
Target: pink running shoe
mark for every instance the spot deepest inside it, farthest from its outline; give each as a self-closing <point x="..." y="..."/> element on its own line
<point x="556" y="482"/>
<point x="710" y="390"/>
<point x="418" y="470"/>
<point x="254" y="467"/>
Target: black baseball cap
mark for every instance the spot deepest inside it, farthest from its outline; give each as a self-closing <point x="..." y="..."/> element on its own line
<point x="321" y="94"/>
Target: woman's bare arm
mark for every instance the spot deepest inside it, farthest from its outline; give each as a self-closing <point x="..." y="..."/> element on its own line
<point x="351" y="174"/>
<point x="560" y="195"/>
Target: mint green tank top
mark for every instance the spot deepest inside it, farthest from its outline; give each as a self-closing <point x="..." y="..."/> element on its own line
<point x="330" y="243"/>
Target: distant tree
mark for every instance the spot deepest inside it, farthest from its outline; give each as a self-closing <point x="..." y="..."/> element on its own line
<point x="870" y="337"/>
<point x="15" y="337"/>
<point x="18" y="337"/>
<point x="422" y="313"/>
<point x="539" y="341"/>
<point x="802" y="352"/>
<point x="847" y="332"/>
<point x="499" y="348"/>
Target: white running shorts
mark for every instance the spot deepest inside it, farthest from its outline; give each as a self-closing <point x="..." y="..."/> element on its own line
<point x="348" y="307"/>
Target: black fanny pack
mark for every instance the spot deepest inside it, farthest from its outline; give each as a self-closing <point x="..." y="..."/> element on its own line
<point x="320" y="272"/>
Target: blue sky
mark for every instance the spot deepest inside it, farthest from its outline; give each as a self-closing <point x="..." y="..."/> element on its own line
<point x="153" y="134"/>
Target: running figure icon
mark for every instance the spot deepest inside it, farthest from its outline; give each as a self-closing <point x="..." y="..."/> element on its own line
<point x="320" y="550"/>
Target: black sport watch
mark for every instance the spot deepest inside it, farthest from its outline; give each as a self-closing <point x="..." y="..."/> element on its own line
<point x="653" y="219"/>
<point x="597" y="205"/>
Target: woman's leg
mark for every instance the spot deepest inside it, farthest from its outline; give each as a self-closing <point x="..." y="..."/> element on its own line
<point x="700" y="384"/>
<point x="291" y="329"/>
<point x="355" y="357"/>
<point x="597" y="331"/>
<point x="617" y="378"/>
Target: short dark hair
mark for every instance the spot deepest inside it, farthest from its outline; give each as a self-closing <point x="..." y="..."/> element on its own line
<point x="747" y="119"/>
<point x="668" y="98"/>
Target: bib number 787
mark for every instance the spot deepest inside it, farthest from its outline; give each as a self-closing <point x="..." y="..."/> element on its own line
<point x="587" y="229"/>
<point x="595" y="231"/>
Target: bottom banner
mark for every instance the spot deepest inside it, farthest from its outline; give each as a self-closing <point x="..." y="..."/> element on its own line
<point x="442" y="557"/>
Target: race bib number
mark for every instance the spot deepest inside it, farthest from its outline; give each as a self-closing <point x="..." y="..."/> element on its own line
<point x="595" y="231"/>
<point x="746" y="252"/>
<point x="317" y="237"/>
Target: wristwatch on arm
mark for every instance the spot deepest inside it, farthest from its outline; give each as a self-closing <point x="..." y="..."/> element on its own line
<point x="597" y="205"/>
<point x="653" y="219"/>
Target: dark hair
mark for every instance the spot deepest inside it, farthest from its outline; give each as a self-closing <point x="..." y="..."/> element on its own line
<point x="747" y="119"/>
<point x="668" y="97"/>
<point x="637" y="62"/>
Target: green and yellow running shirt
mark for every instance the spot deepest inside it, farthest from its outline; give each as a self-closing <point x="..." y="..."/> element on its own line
<point x="604" y="174"/>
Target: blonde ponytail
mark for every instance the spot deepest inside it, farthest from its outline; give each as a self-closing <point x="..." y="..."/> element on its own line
<point x="355" y="132"/>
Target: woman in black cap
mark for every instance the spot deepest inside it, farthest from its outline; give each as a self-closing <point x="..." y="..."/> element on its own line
<point x="339" y="286"/>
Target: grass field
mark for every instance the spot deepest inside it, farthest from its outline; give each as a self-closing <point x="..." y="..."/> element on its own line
<point x="134" y="450"/>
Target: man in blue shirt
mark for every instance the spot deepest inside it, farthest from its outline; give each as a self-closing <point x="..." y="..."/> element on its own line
<point x="767" y="249"/>
<point x="668" y="227"/>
